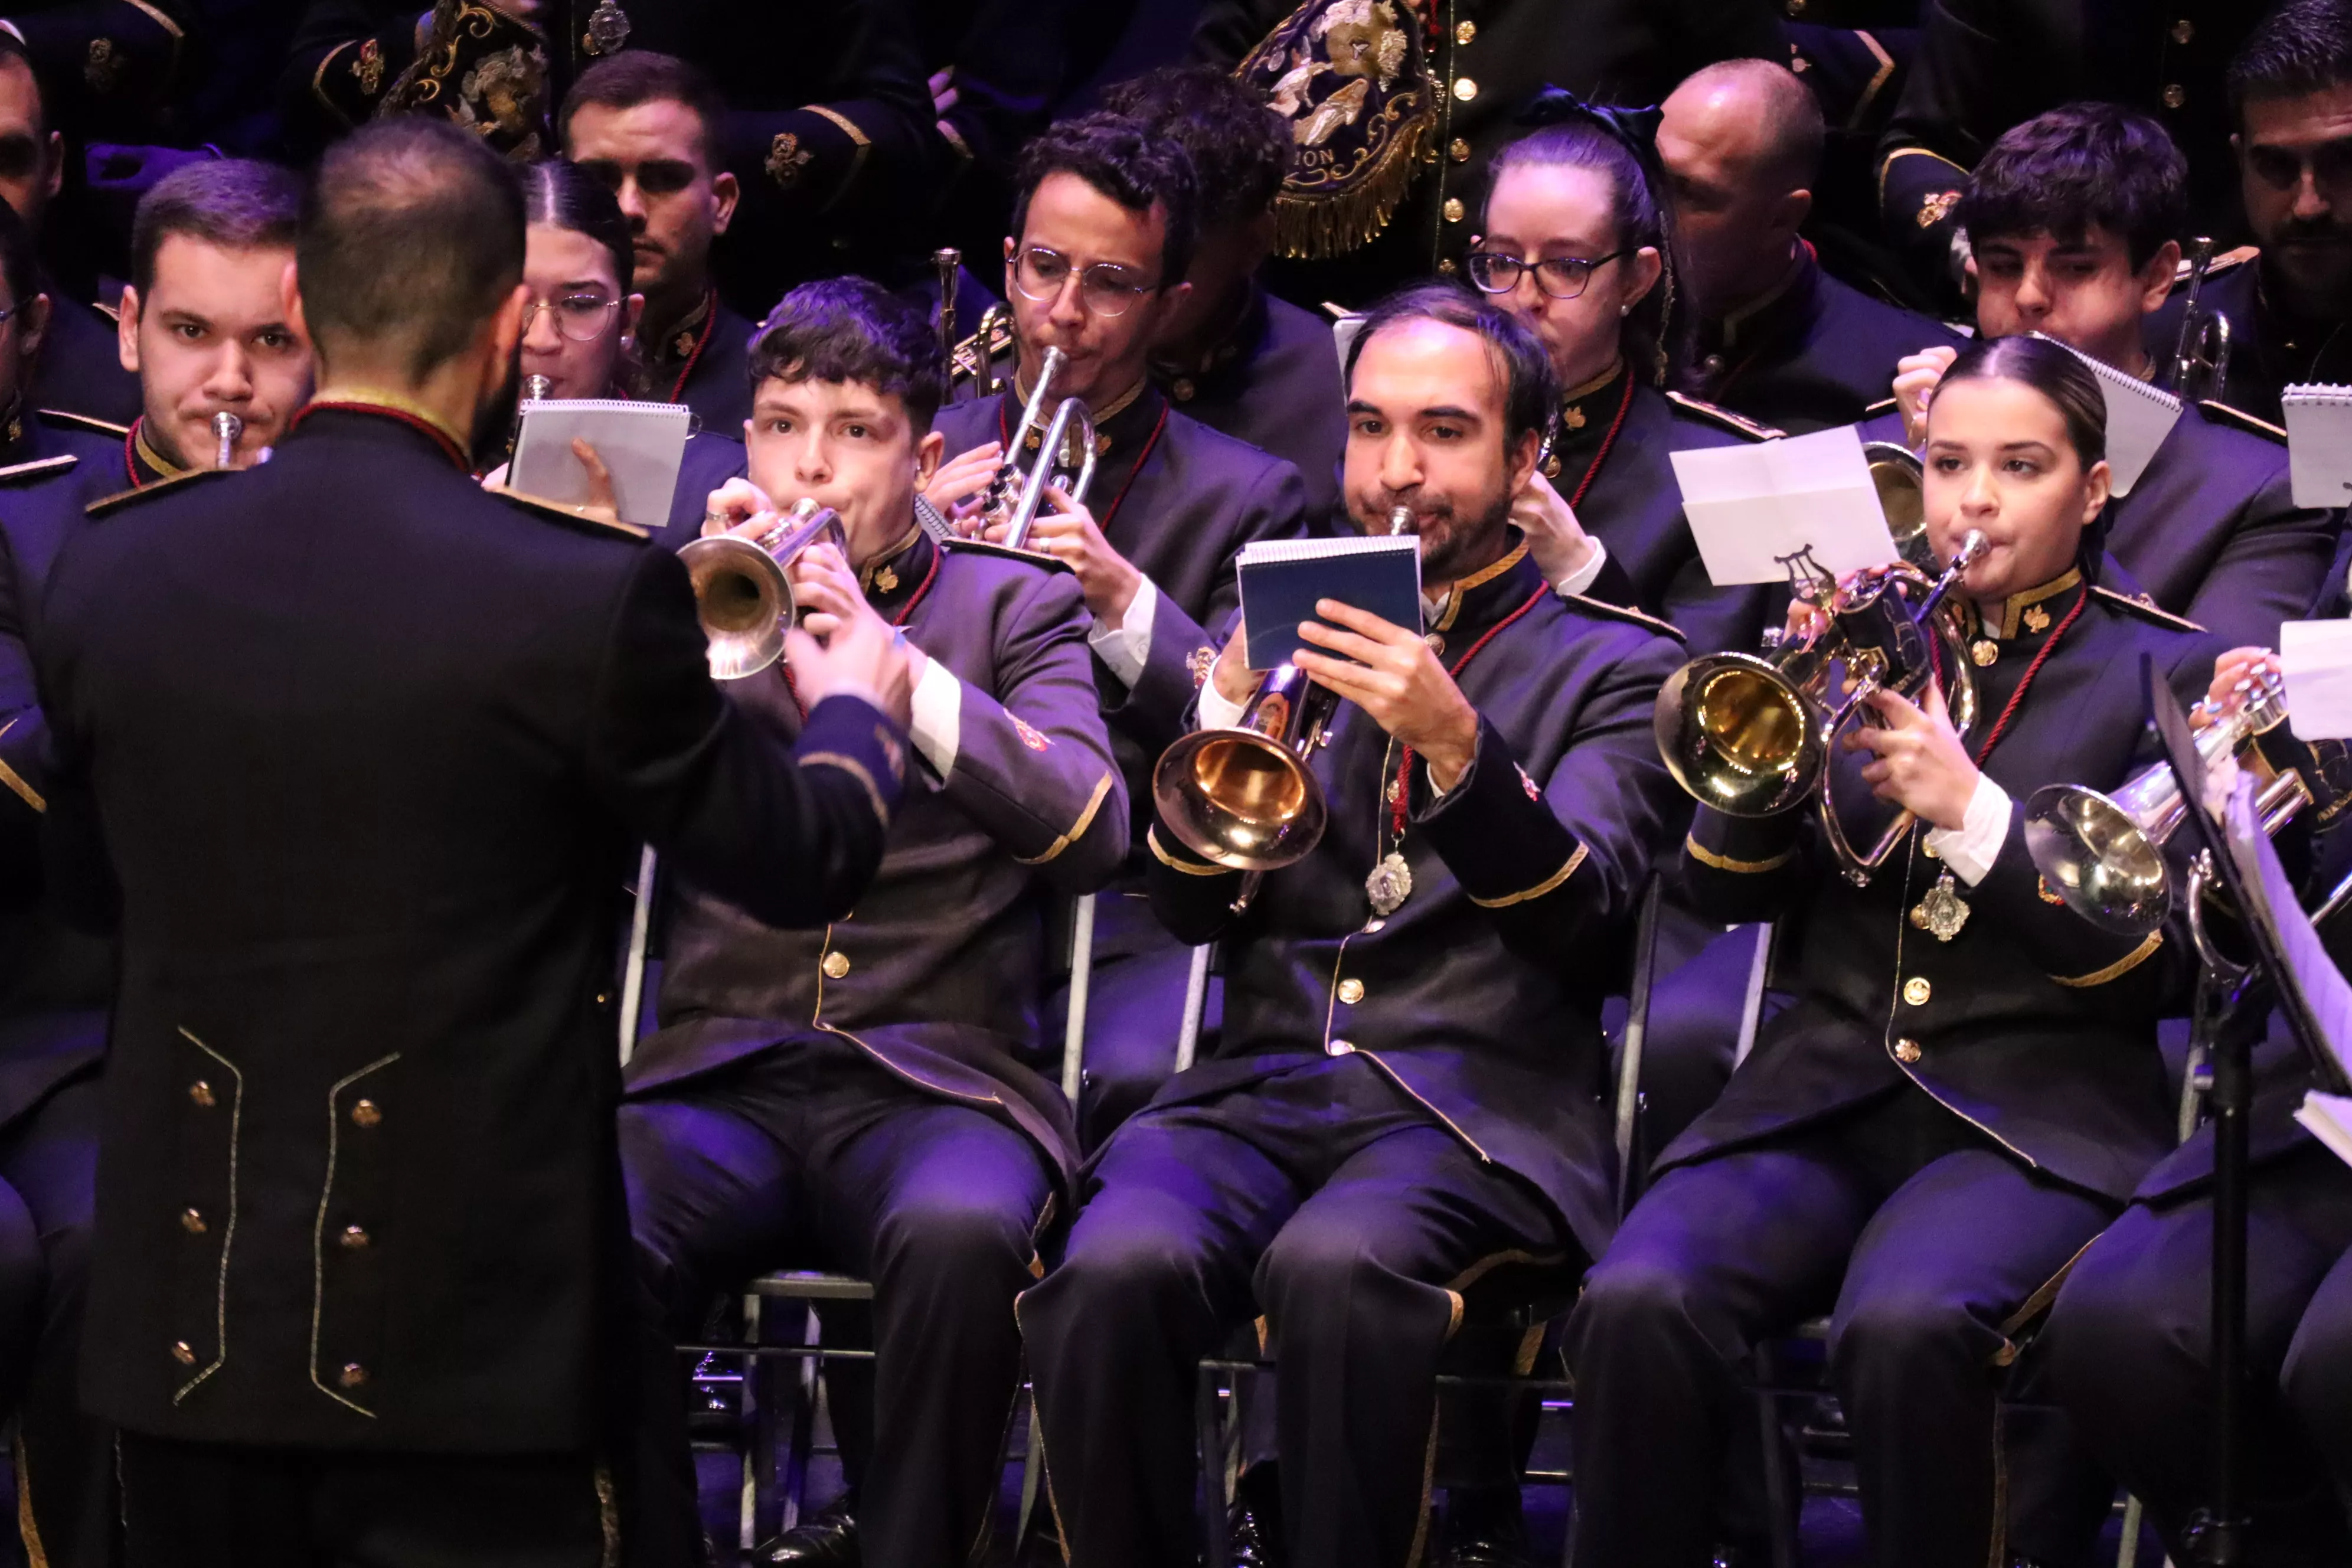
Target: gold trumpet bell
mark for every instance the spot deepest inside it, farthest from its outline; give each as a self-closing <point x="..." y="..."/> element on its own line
<point x="1243" y="797"/>
<point x="1739" y="735"/>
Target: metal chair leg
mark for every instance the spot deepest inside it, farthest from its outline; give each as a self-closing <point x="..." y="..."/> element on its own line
<point x="2127" y="1549"/>
<point x="1215" y="1528"/>
<point x="796" y="1461"/>
<point x="1784" y="1497"/>
<point x="1032" y="1478"/>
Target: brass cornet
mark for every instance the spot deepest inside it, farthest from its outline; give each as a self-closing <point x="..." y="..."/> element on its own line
<point x="743" y="590"/>
<point x="2104" y="854"/>
<point x="1752" y="735"/>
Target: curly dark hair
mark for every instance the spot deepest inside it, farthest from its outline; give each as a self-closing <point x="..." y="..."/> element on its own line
<point x="1128" y="161"/>
<point x="851" y="328"/>
<point x="2076" y="167"/>
<point x="1240" y="147"/>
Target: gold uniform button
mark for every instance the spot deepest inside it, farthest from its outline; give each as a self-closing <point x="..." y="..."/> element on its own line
<point x="184" y="1353"/>
<point x="201" y="1093"/>
<point x="352" y="1374"/>
<point x="1927" y="848"/>
<point x="1458" y="150"/>
<point x="1446" y="266"/>
<point x="1907" y="1051"/>
<point x="1464" y="89"/>
<point x="1436" y="641"/>
<point x="354" y="1237"/>
<point x="836" y="964"/>
<point x="192" y="1222"/>
<point x="2174" y="95"/>
<point x="1184" y="389"/>
<point x="1453" y="209"/>
<point x="1465" y="32"/>
<point x="1340" y="1047"/>
<point x="1916" y="991"/>
<point x="2183" y="30"/>
<point x="365" y="1114"/>
<point x="1796" y="7"/>
<point x="1351" y="992"/>
<point x="1984" y="651"/>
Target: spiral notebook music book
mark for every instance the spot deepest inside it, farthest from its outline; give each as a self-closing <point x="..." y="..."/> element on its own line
<point x="2319" y="444"/>
<point x="641" y="444"/>
<point x="2140" y="415"/>
<point x="1281" y="579"/>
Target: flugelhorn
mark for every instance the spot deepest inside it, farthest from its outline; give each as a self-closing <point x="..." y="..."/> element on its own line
<point x="744" y="587"/>
<point x="1244" y="795"/>
<point x="2102" y="855"/>
<point x="2201" y="354"/>
<point x="1752" y="735"/>
<point x="226" y="428"/>
<point x="1013" y="497"/>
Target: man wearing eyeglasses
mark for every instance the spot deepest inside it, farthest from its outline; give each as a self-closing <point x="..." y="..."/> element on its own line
<point x="2291" y="93"/>
<point x="1104" y="228"/>
<point x="1780" y="341"/>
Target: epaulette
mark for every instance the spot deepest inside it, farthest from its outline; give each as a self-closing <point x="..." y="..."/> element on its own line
<point x="84" y="421"/>
<point x="1624" y="613"/>
<point x="38" y="468"/>
<point x="1038" y="558"/>
<point x="2228" y="261"/>
<point x="1724" y="418"/>
<point x="2221" y="412"/>
<point x="1883" y="406"/>
<point x="963" y="361"/>
<point x="104" y="505"/>
<point x="540" y="506"/>
<point x="2148" y="609"/>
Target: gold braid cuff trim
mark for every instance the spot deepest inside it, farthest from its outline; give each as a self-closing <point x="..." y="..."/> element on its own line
<point x="856" y="160"/>
<point x="1888" y="162"/>
<point x="318" y="82"/>
<point x="855" y="770"/>
<point x="1151" y="839"/>
<point x="16" y="781"/>
<point x="2116" y="969"/>
<point x="1540" y="889"/>
<point x="1706" y="856"/>
<point x="1077" y="829"/>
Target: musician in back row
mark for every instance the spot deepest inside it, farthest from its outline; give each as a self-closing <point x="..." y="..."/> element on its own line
<point x="1103" y="235"/>
<point x="358" y="1281"/>
<point x="1966" y="1085"/>
<point x="851" y="1098"/>
<point x="1407" y="1093"/>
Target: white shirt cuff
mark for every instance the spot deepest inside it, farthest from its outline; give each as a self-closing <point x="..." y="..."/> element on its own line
<point x="1216" y="713"/>
<point x="935" y="719"/>
<point x="1577" y="581"/>
<point x="1971" y="848"/>
<point x="1123" y="649"/>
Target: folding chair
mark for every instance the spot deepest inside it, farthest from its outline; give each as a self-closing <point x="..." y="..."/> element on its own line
<point x="1534" y="1299"/>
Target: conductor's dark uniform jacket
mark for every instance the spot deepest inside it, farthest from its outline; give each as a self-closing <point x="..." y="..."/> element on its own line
<point x="364" y="749"/>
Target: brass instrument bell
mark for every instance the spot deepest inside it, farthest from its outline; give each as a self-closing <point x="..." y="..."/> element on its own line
<point x="743" y="590"/>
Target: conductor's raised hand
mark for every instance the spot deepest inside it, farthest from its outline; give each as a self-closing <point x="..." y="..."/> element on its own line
<point x="1391" y="673"/>
<point x="1920" y="763"/>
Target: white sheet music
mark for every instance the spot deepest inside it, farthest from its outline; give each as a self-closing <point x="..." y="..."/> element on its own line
<point x="1750" y="507"/>
<point x="2317" y="660"/>
<point x="2310" y="974"/>
<point x="2139" y="416"/>
<point x="642" y="445"/>
<point x="2319" y="444"/>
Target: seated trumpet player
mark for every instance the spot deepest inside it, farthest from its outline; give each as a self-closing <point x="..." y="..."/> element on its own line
<point x="2128" y="1346"/>
<point x="849" y="1098"/>
<point x="1406" y="1094"/>
<point x="1964" y="1086"/>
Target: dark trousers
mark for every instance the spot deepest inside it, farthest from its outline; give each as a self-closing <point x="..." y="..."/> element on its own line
<point x="1920" y="1237"/>
<point x="216" y="1505"/>
<point x="1135" y="1009"/>
<point x="814" y="1155"/>
<point x="1330" y="1203"/>
<point x="2129" y="1352"/>
<point x="65" y="1460"/>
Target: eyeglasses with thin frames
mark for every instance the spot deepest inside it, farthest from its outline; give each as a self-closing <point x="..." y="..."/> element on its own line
<point x="1561" y="277"/>
<point x="581" y="318"/>
<point x="1106" y="288"/>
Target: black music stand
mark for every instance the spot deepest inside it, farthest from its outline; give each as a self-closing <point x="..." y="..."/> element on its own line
<point x="2289" y="965"/>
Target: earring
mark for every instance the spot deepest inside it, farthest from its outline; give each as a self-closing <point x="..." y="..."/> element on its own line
<point x="1624" y="309"/>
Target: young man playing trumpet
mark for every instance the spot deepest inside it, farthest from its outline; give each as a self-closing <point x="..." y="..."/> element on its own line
<point x="849" y="1098"/>
<point x="1406" y="1093"/>
<point x="1965" y="1085"/>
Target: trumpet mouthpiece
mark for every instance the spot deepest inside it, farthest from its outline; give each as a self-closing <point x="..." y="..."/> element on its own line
<point x="535" y="388"/>
<point x="1400" y="519"/>
<point x="1972" y="550"/>
<point x="226" y="428"/>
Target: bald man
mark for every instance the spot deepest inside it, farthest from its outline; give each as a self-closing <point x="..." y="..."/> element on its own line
<point x="1780" y="341"/>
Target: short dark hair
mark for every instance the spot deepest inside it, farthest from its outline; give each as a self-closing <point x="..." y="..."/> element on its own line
<point x="1656" y="337"/>
<point x="1530" y="388"/>
<point x="2302" y="48"/>
<point x="2053" y="370"/>
<point x="851" y="328"/>
<point x="2079" y="166"/>
<point x="560" y="193"/>
<point x="1239" y="146"/>
<point x="235" y="203"/>
<point x="365" y="278"/>
<point x="1127" y="161"/>
<point x="640" y="77"/>
<point x="20" y="263"/>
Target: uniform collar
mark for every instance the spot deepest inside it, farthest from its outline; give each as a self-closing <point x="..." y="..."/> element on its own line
<point x="1750" y="318"/>
<point x="892" y="579"/>
<point x="1476" y="602"/>
<point x="383" y="403"/>
<point x="677" y="345"/>
<point x="2026" y="618"/>
<point x="1123" y="423"/>
<point x="20" y="437"/>
<point x="147" y="465"/>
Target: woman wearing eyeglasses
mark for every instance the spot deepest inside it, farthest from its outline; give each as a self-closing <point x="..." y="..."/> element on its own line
<point x="1577" y="244"/>
<point x="581" y="334"/>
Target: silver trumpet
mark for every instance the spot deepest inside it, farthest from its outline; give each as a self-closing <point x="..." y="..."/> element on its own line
<point x="2200" y="355"/>
<point x="226" y="428"/>
<point x="1014" y="496"/>
<point x="2102" y="855"/>
<point x="743" y="588"/>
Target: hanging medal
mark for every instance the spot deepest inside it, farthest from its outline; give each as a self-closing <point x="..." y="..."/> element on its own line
<point x="1943" y="911"/>
<point x="608" y="29"/>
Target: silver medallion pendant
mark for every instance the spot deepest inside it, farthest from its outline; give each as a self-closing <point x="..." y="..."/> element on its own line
<point x="608" y="29"/>
<point x="1943" y="911"/>
<point x="1390" y="884"/>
